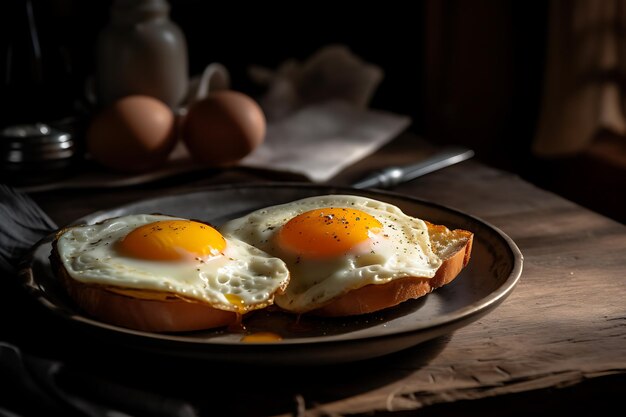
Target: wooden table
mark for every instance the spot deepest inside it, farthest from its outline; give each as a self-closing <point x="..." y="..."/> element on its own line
<point x="556" y="345"/>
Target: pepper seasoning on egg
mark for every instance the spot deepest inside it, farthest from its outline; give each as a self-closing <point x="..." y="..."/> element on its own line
<point x="223" y="127"/>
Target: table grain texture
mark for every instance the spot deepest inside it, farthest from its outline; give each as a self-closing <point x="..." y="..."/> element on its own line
<point x="557" y="344"/>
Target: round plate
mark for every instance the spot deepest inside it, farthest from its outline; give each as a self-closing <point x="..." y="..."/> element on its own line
<point x="494" y="269"/>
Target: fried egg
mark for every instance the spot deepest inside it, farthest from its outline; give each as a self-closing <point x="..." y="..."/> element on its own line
<point x="157" y="257"/>
<point x="333" y="244"/>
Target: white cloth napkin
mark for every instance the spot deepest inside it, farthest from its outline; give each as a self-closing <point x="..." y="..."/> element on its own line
<point x="320" y="140"/>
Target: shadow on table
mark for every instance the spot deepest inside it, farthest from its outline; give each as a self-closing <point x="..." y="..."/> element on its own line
<point x="242" y="390"/>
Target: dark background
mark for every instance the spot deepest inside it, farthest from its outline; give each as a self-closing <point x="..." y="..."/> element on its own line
<point x="467" y="72"/>
<point x="480" y="61"/>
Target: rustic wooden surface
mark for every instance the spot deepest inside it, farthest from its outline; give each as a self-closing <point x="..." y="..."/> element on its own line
<point x="557" y="344"/>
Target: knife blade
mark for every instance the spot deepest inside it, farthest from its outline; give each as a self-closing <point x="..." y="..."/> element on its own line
<point x="395" y="175"/>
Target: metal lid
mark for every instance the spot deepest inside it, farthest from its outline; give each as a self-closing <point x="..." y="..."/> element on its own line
<point x="33" y="143"/>
<point x="36" y="153"/>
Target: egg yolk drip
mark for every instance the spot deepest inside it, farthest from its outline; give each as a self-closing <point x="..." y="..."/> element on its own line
<point x="172" y="240"/>
<point x="327" y="232"/>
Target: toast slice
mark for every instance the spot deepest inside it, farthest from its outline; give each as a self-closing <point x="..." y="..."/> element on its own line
<point x="454" y="247"/>
<point x="141" y="310"/>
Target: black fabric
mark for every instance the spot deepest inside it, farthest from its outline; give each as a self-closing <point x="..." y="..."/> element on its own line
<point x="22" y="224"/>
<point x="33" y="386"/>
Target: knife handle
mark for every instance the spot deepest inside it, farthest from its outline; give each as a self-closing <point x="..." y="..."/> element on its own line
<point x="396" y="175"/>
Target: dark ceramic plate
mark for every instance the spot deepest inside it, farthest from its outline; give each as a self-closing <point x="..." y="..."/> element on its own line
<point x="493" y="271"/>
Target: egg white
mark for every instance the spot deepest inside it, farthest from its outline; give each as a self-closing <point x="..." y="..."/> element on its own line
<point x="240" y="279"/>
<point x="401" y="249"/>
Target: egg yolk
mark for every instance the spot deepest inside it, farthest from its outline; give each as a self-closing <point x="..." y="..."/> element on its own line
<point x="171" y="240"/>
<point x="327" y="232"/>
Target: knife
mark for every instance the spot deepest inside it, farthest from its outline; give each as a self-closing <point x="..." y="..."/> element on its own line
<point x="395" y="175"/>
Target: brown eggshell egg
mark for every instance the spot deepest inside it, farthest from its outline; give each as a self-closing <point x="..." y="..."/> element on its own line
<point x="134" y="134"/>
<point x="223" y="127"/>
